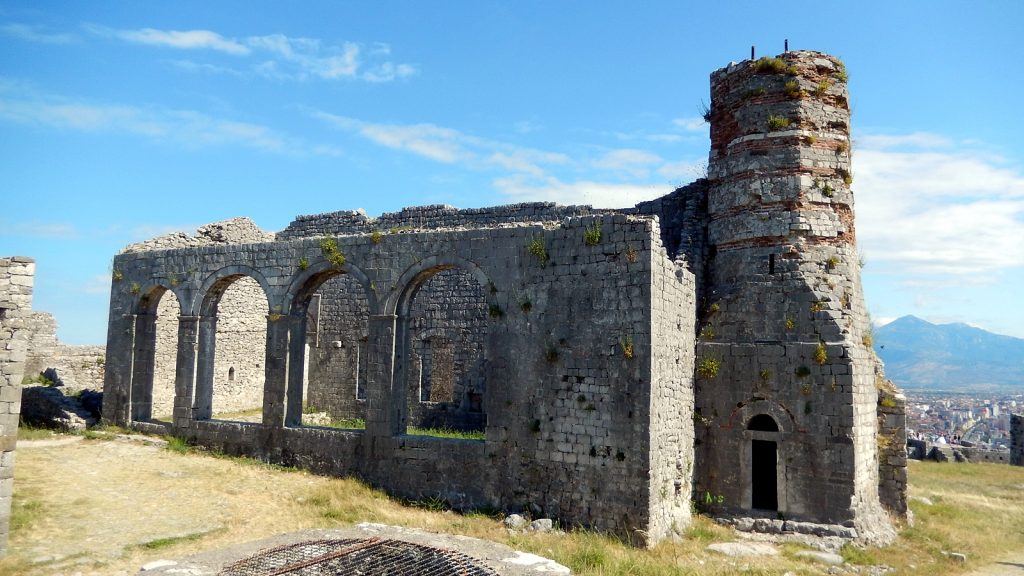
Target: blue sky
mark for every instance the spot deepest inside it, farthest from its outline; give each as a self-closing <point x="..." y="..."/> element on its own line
<point x="121" y="121"/>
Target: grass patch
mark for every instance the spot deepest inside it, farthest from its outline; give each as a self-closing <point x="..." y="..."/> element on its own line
<point x="32" y="433"/>
<point x="446" y="433"/>
<point x="162" y="543"/>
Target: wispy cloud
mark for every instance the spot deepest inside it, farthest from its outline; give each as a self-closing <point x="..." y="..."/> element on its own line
<point x="447" y="145"/>
<point x="615" y="177"/>
<point x="928" y="207"/>
<point x="691" y="124"/>
<point x="35" y="34"/>
<point x="632" y="162"/>
<point x="595" y="193"/>
<point x="273" y="55"/>
<point x="184" y="127"/>
<point x="181" y="39"/>
<point x="39" y="229"/>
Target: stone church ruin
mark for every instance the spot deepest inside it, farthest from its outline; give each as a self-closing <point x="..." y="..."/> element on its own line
<point x="709" y="346"/>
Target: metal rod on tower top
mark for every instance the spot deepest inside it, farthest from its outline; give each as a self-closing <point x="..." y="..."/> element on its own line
<point x="751" y="52"/>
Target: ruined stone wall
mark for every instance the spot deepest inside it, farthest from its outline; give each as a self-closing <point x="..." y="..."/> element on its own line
<point x="783" y="331"/>
<point x="1017" y="439"/>
<point x="569" y="414"/>
<point x="336" y="339"/>
<point x="168" y="310"/>
<point x="892" y="449"/>
<point x="429" y="217"/>
<point x="74" y="368"/>
<point x="241" y="343"/>
<point x="16" y="278"/>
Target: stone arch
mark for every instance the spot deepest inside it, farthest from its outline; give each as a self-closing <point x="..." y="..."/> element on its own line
<point x="329" y="309"/>
<point x="442" y="304"/>
<point x="154" y="352"/>
<point x="233" y="305"/>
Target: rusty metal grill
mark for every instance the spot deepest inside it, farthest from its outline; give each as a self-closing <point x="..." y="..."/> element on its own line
<point x="357" y="556"/>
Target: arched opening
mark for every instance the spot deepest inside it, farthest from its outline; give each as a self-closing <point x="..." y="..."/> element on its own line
<point x="154" y="356"/>
<point x="445" y="330"/>
<point x="336" y="316"/>
<point x="232" y="342"/>
<point x="165" y="357"/>
<point x="763" y="464"/>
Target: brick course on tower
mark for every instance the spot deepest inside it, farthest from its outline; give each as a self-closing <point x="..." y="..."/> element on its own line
<point x="711" y="345"/>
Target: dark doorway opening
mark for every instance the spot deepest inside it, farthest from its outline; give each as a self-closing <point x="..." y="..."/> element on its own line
<point x="763" y="479"/>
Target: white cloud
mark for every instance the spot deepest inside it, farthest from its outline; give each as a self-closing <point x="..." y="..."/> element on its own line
<point x="42" y="230"/>
<point x="274" y="55"/>
<point x="35" y="34"/>
<point x="955" y="213"/>
<point x="597" y="194"/>
<point x="179" y="39"/>
<point x="447" y="145"/>
<point x="691" y="124"/>
<point x="631" y="162"/>
<point x="186" y="127"/>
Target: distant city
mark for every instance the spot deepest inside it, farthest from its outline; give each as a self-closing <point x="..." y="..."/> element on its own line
<point x="963" y="417"/>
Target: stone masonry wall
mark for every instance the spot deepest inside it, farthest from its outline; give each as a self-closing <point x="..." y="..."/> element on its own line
<point x="241" y="341"/>
<point x="892" y="449"/>
<point x="74" y="368"/>
<point x="16" y="279"/>
<point x="569" y="413"/>
<point x="1017" y="439"/>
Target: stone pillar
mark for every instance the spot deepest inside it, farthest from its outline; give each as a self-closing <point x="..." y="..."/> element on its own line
<point x="117" y="372"/>
<point x="16" y="278"/>
<point x="385" y="394"/>
<point x="892" y="450"/>
<point x="1017" y="439"/>
<point x="185" y="369"/>
<point x="207" y="338"/>
<point x="278" y="328"/>
<point x="296" y="370"/>
<point x="143" y="362"/>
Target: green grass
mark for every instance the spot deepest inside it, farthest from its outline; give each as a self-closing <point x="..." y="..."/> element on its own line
<point x="31" y="433"/>
<point x="446" y="433"/>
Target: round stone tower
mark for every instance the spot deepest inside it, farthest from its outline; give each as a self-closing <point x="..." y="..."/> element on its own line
<point x="785" y="372"/>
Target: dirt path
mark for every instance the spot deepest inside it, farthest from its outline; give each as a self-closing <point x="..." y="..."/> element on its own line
<point x="121" y="499"/>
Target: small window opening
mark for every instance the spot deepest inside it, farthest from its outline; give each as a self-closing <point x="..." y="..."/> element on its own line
<point x="771" y="263"/>
<point x="231" y="374"/>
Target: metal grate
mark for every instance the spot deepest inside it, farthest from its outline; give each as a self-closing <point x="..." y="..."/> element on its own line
<point x="357" y="556"/>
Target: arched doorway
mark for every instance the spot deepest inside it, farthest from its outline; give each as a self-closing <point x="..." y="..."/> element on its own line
<point x="764" y="486"/>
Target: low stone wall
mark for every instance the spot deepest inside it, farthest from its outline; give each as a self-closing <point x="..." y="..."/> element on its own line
<point x="16" y="279"/>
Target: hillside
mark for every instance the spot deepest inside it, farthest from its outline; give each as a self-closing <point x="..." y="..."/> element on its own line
<point x="919" y="354"/>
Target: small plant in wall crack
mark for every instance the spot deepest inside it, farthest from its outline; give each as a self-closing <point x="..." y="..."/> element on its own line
<point x="329" y="248"/>
<point x="627" y="347"/>
<point x="135" y="288"/>
<point x="708" y="367"/>
<point x="592" y="234"/>
<point x="116" y="275"/>
<point x="831" y="263"/>
<point x="631" y="254"/>
<point x="790" y="324"/>
<point x="303" y="263"/>
<point x="538" y="250"/>
<point x="821" y="353"/>
<point x="495" y="311"/>
<point x="375" y="236"/>
<point x="707" y="332"/>
<point x="776" y="123"/>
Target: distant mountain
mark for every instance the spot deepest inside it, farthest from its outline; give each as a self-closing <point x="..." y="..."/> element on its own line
<point x="919" y="354"/>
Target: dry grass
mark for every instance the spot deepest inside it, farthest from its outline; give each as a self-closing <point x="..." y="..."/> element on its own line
<point x="108" y="506"/>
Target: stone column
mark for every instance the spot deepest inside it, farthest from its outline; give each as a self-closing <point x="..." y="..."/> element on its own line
<point x="16" y="278"/>
<point x="117" y="371"/>
<point x="296" y="369"/>
<point x="207" y="338"/>
<point x="1017" y="439"/>
<point x="143" y="362"/>
<point x="385" y="394"/>
<point x="185" y="370"/>
<point x="278" y="328"/>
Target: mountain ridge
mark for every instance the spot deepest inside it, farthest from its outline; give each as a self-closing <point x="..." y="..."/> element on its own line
<point x="919" y="354"/>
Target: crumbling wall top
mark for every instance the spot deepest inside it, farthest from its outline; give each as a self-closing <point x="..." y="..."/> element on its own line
<point x="240" y="230"/>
